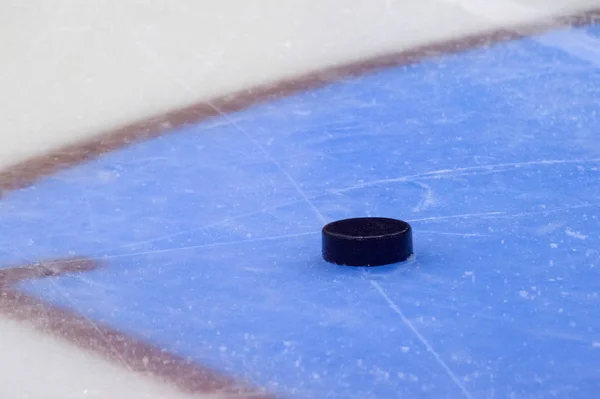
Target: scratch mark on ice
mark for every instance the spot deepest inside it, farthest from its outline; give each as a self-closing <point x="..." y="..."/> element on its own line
<point x="267" y="155"/>
<point x="455" y="234"/>
<point x="546" y="211"/>
<point x="462" y="216"/>
<point x="449" y="173"/>
<point x="427" y="200"/>
<point x="215" y="244"/>
<point x="206" y="226"/>
<point x="421" y="338"/>
<point x="505" y="215"/>
<point x="576" y="234"/>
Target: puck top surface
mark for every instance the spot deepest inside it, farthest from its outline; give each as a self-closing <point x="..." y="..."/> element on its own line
<point x="367" y="241"/>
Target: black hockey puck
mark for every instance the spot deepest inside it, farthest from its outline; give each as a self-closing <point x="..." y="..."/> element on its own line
<point x="367" y="241"/>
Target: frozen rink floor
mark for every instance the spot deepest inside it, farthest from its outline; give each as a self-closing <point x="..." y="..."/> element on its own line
<point x="179" y="256"/>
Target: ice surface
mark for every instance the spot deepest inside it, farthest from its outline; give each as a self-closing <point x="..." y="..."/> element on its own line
<point x="72" y="71"/>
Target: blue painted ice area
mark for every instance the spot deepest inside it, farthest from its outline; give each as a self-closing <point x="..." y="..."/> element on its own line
<point x="211" y="235"/>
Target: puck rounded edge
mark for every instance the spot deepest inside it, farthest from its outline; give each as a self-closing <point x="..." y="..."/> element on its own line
<point x="367" y="241"/>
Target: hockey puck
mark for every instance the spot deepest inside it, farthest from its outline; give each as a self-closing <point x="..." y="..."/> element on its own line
<point x="367" y="241"/>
